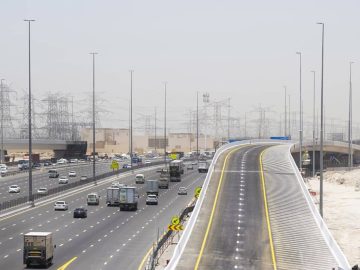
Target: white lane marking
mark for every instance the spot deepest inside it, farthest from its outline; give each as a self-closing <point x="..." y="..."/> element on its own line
<point x="6" y="256"/>
<point x="61" y="245"/>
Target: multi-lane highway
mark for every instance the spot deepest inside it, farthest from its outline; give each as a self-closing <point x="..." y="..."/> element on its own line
<point x="107" y="238"/>
<point x="231" y="232"/>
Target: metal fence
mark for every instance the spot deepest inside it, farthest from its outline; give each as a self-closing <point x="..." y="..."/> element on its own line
<point x="165" y="241"/>
<point x="25" y="199"/>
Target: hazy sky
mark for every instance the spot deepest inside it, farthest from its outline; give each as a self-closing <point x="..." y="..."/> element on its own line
<point x="244" y="50"/>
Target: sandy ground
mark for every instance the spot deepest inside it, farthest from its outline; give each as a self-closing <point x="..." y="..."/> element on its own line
<point x="342" y="209"/>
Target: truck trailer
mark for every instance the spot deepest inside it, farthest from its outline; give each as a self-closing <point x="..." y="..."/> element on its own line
<point x="112" y="196"/>
<point x="128" y="198"/>
<point x="152" y="187"/>
<point x="38" y="249"/>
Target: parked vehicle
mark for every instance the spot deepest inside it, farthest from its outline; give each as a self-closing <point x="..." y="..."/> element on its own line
<point x="164" y="180"/>
<point x="93" y="199"/>
<point x="72" y="174"/>
<point x="53" y="173"/>
<point x="203" y="167"/>
<point x="152" y="187"/>
<point x="139" y="179"/>
<point x="182" y="191"/>
<point x="152" y="199"/>
<point x="14" y="189"/>
<point x="80" y="212"/>
<point x="128" y="199"/>
<point x="112" y="196"/>
<point x="61" y="205"/>
<point x="42" y="191"/>
<point x="38" y="249"/>
<point x="63" y="180"/>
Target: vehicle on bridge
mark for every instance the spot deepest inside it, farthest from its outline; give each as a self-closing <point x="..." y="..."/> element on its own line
<point x="42" y="191"/>
<point x="14" y="189"/>
<point x="53" y="173"/>
<point x="38" y="249"/>
<point x="63" y="180"/>
<point x="72" y="174"/>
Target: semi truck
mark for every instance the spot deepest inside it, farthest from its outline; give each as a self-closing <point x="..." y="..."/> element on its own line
<point x="176" y="168"/>
<point x="38" y="249"/>
<point x="128" y="198"/>
<point x="164" y="180"/>
<point x="203" y="166"/>
<point x="112" y="196"/>
<point x="152" y="187"/>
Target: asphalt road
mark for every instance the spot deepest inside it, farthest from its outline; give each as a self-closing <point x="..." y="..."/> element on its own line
<point x="237" y="238"/>
<point x="108" y="238"/>
<point x="41" y="178"/>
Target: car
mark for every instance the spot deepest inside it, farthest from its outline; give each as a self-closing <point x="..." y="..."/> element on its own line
<point x="3" y="171"/>
<point x="190" y="167"/>
<point x="36" y="165"/>
<point x="63" y="180"/>
<point x="61" y="205"/>
<point x="151" y="199"/>
<point x="194" y="163"/>
<point x="47" y="163"/>
<point x="14" y="189"/>
<point x="116" y="184"/>
<point x="83" y="178"/>
<point x="42" y="191"/>
<point x="127" y="166"/>
<point x="72" y="174"/>
<point x="73" y="160"/>
<point x="147" y="161"/>
<point x="80" y="212"/>
<point x="182" y="191"/>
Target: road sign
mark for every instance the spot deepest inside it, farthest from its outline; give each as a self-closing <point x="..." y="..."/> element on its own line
<point x="175" y="220"/>
<point x="175" y="227"/>
<point x="114" y="165"/>
<point x="197" y="192"/>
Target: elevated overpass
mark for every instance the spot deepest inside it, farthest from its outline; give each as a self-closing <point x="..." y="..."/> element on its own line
<point x="254" y="212"/>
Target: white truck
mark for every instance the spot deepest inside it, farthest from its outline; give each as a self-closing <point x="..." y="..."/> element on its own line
<point x="203" y="166"/>
<point x="38" y="249"/>
<point x="128" y="198"/>
<point x="164" y="180"/>
<point x="112" y="196"/>
<point x="152" y="187"/>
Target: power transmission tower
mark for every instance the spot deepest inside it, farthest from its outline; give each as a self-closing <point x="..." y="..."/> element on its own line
<point x="7" y="124"/>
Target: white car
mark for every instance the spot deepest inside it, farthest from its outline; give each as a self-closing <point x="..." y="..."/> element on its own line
<point x="83" y="178"/>
<point x="72" y="174"/>
<point x="182" y="191"/>
<point x="63" y="180"/>
<point x="42" y="191"/>
<point x="147" y="161"/>
<point x="3" y="171"/>
<point x="73" y="160"/>
<point x="14" y="189"/>
<point x="61" y="205"/>
<point x="152" y="199"/>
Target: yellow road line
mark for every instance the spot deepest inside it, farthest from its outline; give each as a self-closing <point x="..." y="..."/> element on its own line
<point x="64" y="266"/>
<point x="267" y="211"/>
<point x="212" y="211"/>
<point x="141" y="266"/>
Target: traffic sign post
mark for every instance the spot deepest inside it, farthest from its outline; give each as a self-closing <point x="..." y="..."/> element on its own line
<point x="114" y="165"/>
<point x="175" y="220"/>
<point x="197" y="192"/>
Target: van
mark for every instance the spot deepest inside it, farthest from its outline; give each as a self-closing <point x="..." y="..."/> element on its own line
<point x="139" y="179"/>
<point x="53" y="173"/>
<point x="93" y="199"/>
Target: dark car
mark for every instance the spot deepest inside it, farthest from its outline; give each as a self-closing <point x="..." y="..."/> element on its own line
<point x="127" y="166"/>
<point x="47" y="163"/>
<point x="36" y="165"/>
<point x="80" y="212"/>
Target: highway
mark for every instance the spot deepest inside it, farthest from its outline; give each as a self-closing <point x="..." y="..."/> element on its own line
<point x="231" y="232"/>
<point x="108" y="238"/>
<point x="41" y="178"/>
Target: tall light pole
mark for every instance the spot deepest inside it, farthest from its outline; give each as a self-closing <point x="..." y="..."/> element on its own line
<point x="197" y="125"/>
<point x="165" y="83"/>
<point x="322" y="122"/>
<point x="131" y="119"/>
<point x="350" y="158"/>
<point x="2" y="123"/>
<point x="313" y="137"/>
<point x="301" y="127"/>
<point x="93" y="115"/>
<point x="31" y="198"/>
<point x="205" y="100"/>
<point x="285" y="120"/>
<point x="155" y="131"/>
<point x="289" y="119"/>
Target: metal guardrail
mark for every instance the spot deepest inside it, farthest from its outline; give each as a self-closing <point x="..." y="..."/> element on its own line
<point x="165" y="241"/>
<point x="25" y="199"/>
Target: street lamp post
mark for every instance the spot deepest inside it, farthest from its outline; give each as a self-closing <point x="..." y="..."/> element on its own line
<point x="165" y="83"/>
<point x="31" y="198"/>
<point x="313" y="138"/>
<point x="131" y="120"/>
<point x="2" y="123"/>
<point x="350" y="157"/>
<point x="197" y="125"/>
<point x="285" y="122"/>
<point x="322" y="122"/>
<point x="93" y="115"/>
<point x="301" y="126"/>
